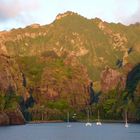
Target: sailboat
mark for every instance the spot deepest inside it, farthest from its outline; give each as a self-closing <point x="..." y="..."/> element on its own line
<point x="68" y="120"/>
<point x="88" y="122"/>
<point x="98" y="122"/>
<point x="126" y="122"/>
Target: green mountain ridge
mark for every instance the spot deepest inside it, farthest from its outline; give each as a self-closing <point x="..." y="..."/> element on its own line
<point x="94" y="43"/>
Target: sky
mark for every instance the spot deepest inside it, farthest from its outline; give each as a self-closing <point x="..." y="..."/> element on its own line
<point x="20" y="13"/>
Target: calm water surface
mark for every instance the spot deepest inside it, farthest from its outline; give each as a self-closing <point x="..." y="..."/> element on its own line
<point x="78" y="131"/>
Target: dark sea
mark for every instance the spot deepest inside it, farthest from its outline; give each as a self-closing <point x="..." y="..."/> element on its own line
<point x="77" y="131"/>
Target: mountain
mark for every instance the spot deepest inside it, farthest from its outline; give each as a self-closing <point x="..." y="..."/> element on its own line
<point x="55" y="63"/>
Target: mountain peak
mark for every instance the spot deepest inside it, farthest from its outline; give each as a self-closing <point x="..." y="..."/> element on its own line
<point x="35" y="25"/>
<point x="61" y="15"/>
<point x="96" y="20"/>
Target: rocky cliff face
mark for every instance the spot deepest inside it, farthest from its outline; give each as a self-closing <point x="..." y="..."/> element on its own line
<point x="4" y="119"/>
<point x="11" y="76"/>
<point x="111" y="79"/>
<point x="62" y="79"/>
<point x="72" y="87"/>
<point x="15" y="117"/>
<point x="12" y="117"/>
<point x="11" y="82"/>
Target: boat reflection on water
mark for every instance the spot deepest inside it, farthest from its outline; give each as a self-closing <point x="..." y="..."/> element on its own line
<point x="126" y="121"/>
<point x="88" y="121"/>
<point x="68" y="120"/>
<point x="98" y="122"/>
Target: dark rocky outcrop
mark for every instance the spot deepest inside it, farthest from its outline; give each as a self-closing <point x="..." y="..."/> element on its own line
<point x="15" y="117"/>
<point x="133" y="79"/>
<point x="11" y="117"/>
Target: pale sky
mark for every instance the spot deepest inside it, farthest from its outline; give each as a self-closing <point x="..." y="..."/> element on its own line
<point x="20" y="13"/>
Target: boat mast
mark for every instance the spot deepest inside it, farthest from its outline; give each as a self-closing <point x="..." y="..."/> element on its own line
<point x="88" y="116"/>
<point x="126" y="116"/>
<point x="98" y="116"/>
<point x="68" y="117"/>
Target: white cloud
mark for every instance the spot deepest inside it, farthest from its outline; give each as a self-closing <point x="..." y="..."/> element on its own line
<point x="10" y="9"/>
<point x="135" y="17"/>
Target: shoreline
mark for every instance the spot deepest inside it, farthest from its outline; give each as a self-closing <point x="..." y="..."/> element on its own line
<point x="84" y="121"/>
<point x="51" y="121"/>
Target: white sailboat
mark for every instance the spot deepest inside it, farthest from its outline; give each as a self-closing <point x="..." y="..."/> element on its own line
<point x="126" y="121"/>
<point x="98" y="122"/>
<point x="68" y="120"/>
<point x="88" y="122"/>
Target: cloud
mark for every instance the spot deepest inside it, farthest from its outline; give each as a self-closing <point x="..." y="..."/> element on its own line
<point x="125" y="10"/>
<point x="10" y="9"/>
<point x="135" y="17"/>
